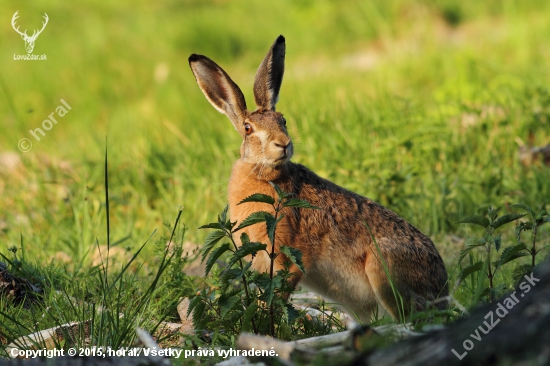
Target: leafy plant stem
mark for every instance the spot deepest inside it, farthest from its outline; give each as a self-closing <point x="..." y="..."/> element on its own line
<point x="490" y="272"/>
<point x="271" y="268"/>
<point x="245" y="282"/>
<point x="534" y="248"/>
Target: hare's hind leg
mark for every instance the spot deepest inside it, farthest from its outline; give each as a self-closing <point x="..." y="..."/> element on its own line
<point x="386" y="283"/>
<point x="405" y="279"/>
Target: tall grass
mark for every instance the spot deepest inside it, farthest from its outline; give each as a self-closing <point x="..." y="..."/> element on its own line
<point x="104" y="304"/>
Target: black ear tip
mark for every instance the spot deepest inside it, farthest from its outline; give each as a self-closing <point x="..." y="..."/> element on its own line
<point x="194" y="57"/>
<point x="280" y="39"/>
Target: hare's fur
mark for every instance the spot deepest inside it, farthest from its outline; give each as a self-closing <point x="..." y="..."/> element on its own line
<point x="348" y="243"/>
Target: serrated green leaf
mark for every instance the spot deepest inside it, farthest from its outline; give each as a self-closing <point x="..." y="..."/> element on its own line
<point x="471" y="243"/>
<point x="476" y="220"/>
<point x="475" y="242"/>
<point x="262" y="280"/>
<point x="259" y="197"/>
<point x="212" y="225"/>
<point x="194" y="302"/>
<point x="522" y="226"/>
<point x="292" y="313"/>
<point x="271" y="225"/>
<point x="244" y="238"/>
<point x="506" y="219"/>
<point x="295" y="256"/>
<point x="498" y="241"/>
<point x="222" y="218"/>
<point x="234" y="317"/>
<point x="230" y="225"/>
<point x="511" y="253"/>
<point x="216" y="253"/>
<point x="210" y="241"/>
<point x="248" y="315"/>
<point x="228" y="276"/>
<point x="284" y="315"/>
<point x="526" y="208"/>
<point x="521" y="271"/>
<point x="244" y="250"/>
<point x="466" y="271"/>
<point x="198" y="313"/>
<point x="540" y="216"/>
<point x="269" y="289"/>
<point x="295" y="202"/>
<point x="227" y="304"/>
<point x="254" y="218"/>
<point x="232" y="274"/>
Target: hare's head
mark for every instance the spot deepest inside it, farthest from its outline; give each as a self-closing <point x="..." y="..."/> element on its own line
<point x="265" y="139"/>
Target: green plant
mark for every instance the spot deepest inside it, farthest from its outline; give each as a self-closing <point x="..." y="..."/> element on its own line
<point x="176" y="280"/>
<point x="490" y="241"/>
<point x="236" y="298"/>
<point x="104" y="303"/>
<point x="520" y="249"/>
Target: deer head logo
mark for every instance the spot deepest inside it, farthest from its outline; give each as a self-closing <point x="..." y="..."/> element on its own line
<point x="29" y="40"/>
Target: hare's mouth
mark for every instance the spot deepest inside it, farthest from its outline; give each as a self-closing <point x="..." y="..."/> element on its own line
<point x="281" y="160"/>
<point x="283" y="157"/>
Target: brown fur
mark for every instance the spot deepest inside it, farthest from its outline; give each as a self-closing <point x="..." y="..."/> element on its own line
<point x="342" y="260"/>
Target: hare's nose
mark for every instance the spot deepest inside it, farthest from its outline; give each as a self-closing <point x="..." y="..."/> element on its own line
<point x="282" y="146"/>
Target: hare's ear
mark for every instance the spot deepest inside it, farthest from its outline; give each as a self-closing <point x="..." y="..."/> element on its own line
<point x="219" y="89"/>
<point x="270" y="76"/>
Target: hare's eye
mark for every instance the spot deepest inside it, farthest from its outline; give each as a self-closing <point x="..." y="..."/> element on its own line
<point x="247" y="128"/>
<point x="284" y="122"/>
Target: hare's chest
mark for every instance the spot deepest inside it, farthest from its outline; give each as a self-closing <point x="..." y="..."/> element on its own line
<point x="241" y="187"/>
<point x="238" y="212"/>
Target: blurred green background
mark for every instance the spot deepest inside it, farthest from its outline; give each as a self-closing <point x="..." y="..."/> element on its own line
<point x="423" y="106"/>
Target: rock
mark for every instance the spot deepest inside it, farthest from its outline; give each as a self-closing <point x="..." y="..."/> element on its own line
<point x="186" y="323"/>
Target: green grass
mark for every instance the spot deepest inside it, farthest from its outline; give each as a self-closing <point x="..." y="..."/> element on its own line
<point x="419" y="105"/>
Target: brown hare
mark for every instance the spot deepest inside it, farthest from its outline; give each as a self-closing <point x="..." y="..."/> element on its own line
<point x="341" y="259"/>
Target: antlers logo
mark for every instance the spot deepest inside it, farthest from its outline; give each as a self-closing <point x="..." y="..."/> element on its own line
<point x="29" y="40"/>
